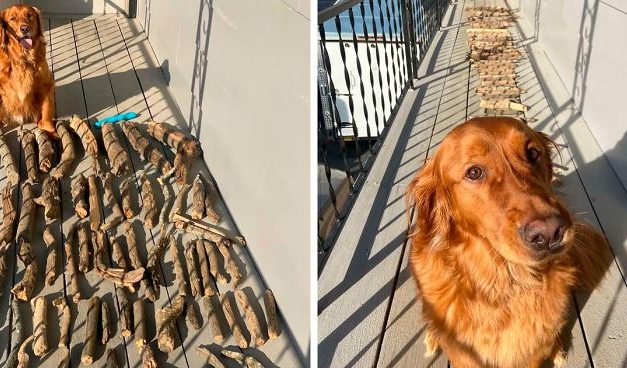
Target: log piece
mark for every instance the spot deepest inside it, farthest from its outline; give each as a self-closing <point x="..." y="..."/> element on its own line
<point x="247" y="360"/>
<point x="24" y="289"/>
<point x="4" y="247"/>
<point x="95" y="211"/>
<point x="12" y="359"/>
<point x="272" y="317"/>
<point x="198" y="199"/>
<point x="166" y="324"/>
<point x="192" y="316"/>
<point x="207" y="281"/>
<point x="148" y="357"/>
<point x="206" y="230"/>
<point x="167" y="203"/>
<point x="92" y="323"/>
<point x="29" y="144"/>
<point x="79" y="196"/>
<point x="84" y="247"/>
<point x="118" y="254"/>
<point x="194" y="280"/>
<point x="150" y="210"/>
<point x="139" y="324"/>
<point x="152" y="267"/>
<point x="118" y="157"/>
<point x="22" y="356"/>
<point x="47" y="153"/>
<point x="126" y="324"/>
<point x="40" y="325"/>
<point x="68" y="152"/>
<point x="127" y="203"/>
<point x="232" y="267"/>
<point x="146" y="150"/>
<point x="136" y="262"/>
<point x="50" y="199"/>
<point x="503" y="105"/>
<point x="229" y="307"/>
<point x="11" y="169"/>
<point x="70" y="263"/>
<point x="116" y="275"/>
<point x="211" y="201"/>
<point x="8" y="215"/>
<point x="117" y="215"/>
<point x="88" y="139"/>
<point x="252" y="319"/>
<point x="51" y="259"/>
<point x="105" y="322"/>
<point x="214" y="264"/>
<point x="180" y="201"/>
<point x="214" y="313"/>
<point x="212" y="359"/>
<point x="112" y="359"/>
<point x="187" y="148"/>
<point x="64" y="321"/>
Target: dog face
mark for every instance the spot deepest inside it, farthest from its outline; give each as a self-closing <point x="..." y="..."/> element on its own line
<point x="21" y="24"/>
<point x="491" y="179"/>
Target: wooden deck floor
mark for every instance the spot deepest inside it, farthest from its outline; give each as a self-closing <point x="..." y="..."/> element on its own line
<point x="104" y="65"/>
<point x="368" y="314"/>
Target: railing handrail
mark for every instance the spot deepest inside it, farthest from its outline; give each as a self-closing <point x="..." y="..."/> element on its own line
<point x="336" y="9"/>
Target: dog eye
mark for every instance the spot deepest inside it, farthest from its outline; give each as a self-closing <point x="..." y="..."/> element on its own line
<point x="474" y="173"/>
<point x="533" y="154"/>
<point x="29" y="16"/>
<point x="12" y="19"/>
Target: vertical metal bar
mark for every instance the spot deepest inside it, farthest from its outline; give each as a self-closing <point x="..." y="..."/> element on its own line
<point x="336" y="114"/>
<point x="362" y="89"/>
<point x="410" y="42"/>
<point x="351" y="103"/>
<point x="394" y="53"/>
<point x="398" y="33"/>
<point x="380" y="73"/>
<point x="369" y="58"/>
<point x="388" y="65"/>
<point x="322" y="143"/>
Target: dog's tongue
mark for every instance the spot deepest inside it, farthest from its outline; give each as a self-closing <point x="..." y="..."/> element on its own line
<point x="26" y="43"/>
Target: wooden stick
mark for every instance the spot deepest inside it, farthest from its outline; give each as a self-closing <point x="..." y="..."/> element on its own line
<point x="206" y="230"/>
<point x="214" y="314"/>
<point x="118" y="276"/>
<point x="503" y="105"/>
<point x="4" y="247"/>
<point x="232" y="267"/>
<point x="22" y="356"/>
<point x="118" y="157"/>
<point x="136" y="262"/>
<point x="229" y="309"/>
<point x="116" y="212"/>
<point x="112" y="359"/>
<point x="50" y="199"/>
<point x="192" y="316"/>
<point x="145" y="149"/>
<point x="211" y="200"/>
<point x="207" y="281"/>
<point x="180" y="201"/>
<point x="8" y="215"/>
<point x="190" y="259"/>
<point x="167" y="202"/>
<point x="117" y="253"/>
<point x="88" y="139"/>
<point x="27" y="217"/>
<point x="150" y="210"/>
<point x="106" y="325"/>
<point x="84" y="247"/>
<point x="139" y="326"/>
<point x="214" y="265"/>
<point x="272" y="317"/>
<point x="152" y="267"/>
<point x="148" y="357"/>
<point x="126" y="325"/>
<point x="179" y="276"/>
<point x="64" y="321"/>
<point x="92" y="323"/>
<point x="68" y="152"/>
<point x="70" y="263"/>
<point x="198" y="199"/>
<point x="47" y="153"/>
<point x="125" y="194"/>
<point x="64" y="357"/>
<point x="166" y="324"/>
<point x="247" y="360"/>
<point x="187" y="148"/>
<point x="30" y="158"/>
<point x="24" y="289"/>
<point x="253" y="322"/>
<point x="212" y="359"/>
<point x="13" y="176"/>
<point x="79" y="195"/>
<point x="40" y="324"/>
<point x="12" y="359"/>
<point x="51" y="259"/>
<point x="95" y="211"/>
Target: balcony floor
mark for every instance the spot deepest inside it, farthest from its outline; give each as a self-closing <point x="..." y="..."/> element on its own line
<point x="104" y="65"/>
<point x="368" y="314"/>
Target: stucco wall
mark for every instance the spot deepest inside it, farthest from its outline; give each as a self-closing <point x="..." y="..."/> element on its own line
<point x="240" y="73"/>
<point x="584" y="39"/>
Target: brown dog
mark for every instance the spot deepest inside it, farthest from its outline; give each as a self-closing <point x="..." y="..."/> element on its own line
<point x="26" y="84"/>
<point x="494" y="251"/>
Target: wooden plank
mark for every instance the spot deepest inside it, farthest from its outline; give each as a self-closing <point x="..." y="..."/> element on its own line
<point x="602" y="313"/>
<point x="159" y="104"/>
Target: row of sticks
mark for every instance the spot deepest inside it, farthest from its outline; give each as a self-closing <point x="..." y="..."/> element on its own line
<point x="494" y="55"/>
<point x="86" y="202"/>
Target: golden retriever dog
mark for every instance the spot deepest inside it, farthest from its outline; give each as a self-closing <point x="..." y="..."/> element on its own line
<point x="494" y="251"/>
<point x="26" y="84"/>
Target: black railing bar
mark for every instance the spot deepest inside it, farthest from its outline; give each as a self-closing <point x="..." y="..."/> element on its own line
<point x="325" y="158"/>
<point x="379" y="75"/>
<point x="387" y="64"/>
<point x="332" y="11"/>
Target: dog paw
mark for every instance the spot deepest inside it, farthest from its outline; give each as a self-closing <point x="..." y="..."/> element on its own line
<point x="431" y="344"/>
<point x="48" y="126"/>
<point x="559" y="359"/>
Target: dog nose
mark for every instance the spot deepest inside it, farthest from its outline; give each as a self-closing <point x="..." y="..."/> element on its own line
<point x="545" y="233"/>
<point x="25" y="29"/>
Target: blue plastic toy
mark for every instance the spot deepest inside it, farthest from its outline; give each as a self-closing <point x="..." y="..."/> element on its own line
<point x="116" y="118"/>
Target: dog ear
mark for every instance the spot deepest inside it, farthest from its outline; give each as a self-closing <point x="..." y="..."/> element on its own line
<point x="552" y="149"/>
<point x="432" y="209"/>
<point x="38" y="13"/>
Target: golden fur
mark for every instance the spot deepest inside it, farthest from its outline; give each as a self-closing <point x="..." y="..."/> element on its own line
<point x="26" y="84"/>
<point x="489" y="299"/>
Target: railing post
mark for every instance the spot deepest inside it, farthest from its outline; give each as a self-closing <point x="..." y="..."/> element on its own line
<point x="410" y="42"/>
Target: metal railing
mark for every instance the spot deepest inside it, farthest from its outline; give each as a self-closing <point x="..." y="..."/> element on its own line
<point x="368" y="56"/>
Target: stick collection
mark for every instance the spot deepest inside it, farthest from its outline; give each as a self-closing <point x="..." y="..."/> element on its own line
<point x="105" y="240"/>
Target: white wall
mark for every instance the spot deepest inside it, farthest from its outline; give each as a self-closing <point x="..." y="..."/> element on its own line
<point x="74" y="6"/>
<point x="585" y="41"/>
<point x="240" y="73"/>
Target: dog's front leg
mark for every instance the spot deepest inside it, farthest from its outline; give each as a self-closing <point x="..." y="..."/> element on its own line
<point x="47" y="113"/>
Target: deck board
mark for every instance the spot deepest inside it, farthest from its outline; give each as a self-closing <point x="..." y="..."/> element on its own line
<point x="104" y="65"/>
<point x="597" y="321"/>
